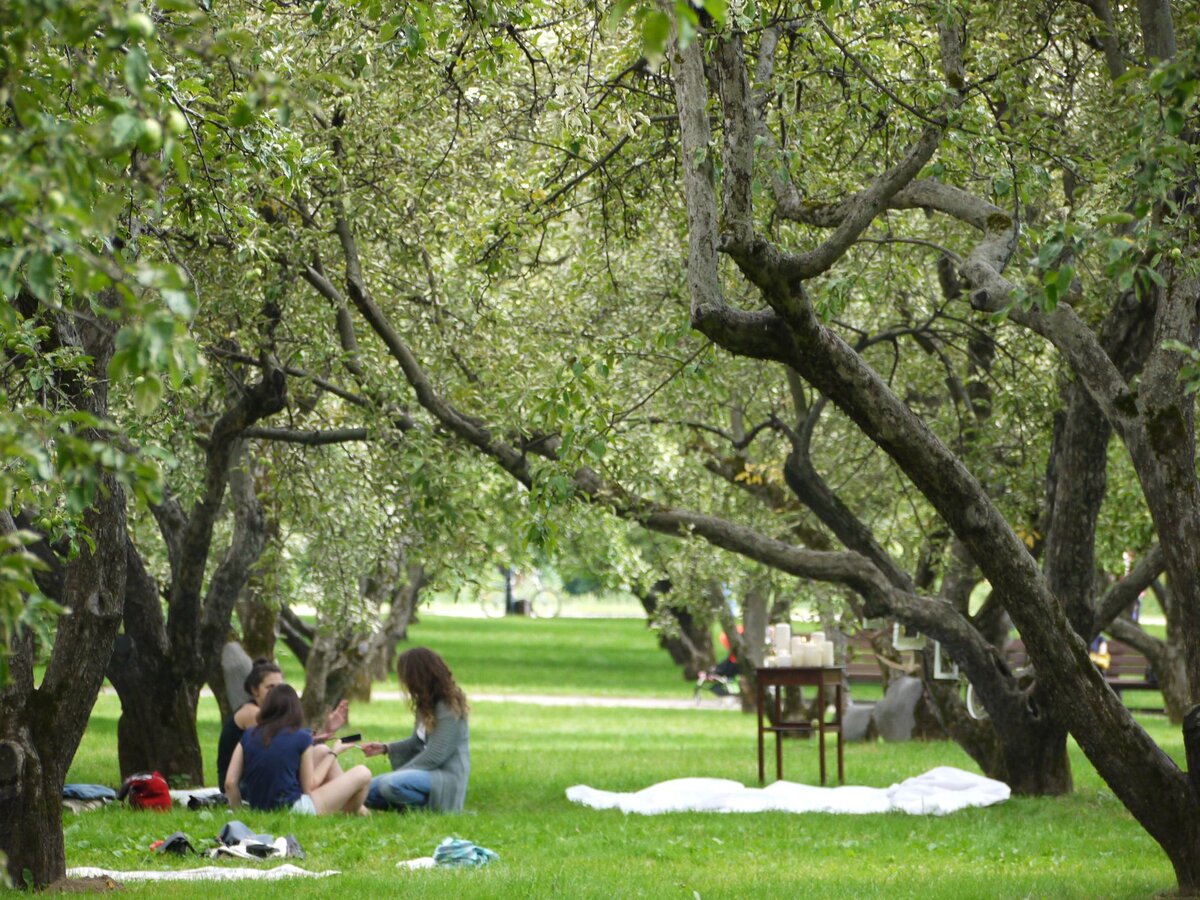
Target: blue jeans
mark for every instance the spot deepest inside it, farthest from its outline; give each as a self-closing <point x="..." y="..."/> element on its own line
<point x="400" y="789"/>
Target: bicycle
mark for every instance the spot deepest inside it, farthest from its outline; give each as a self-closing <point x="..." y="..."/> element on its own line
<point x="493" y="604"/>
<point x="544" y="604"/>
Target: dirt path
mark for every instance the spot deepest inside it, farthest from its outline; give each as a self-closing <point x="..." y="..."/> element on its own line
<point x="708" y="702"/>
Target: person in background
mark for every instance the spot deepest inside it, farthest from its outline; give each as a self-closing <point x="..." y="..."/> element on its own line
<point x="273" y="765"/>
<point x="432" y="765"/>
<point x="265" y="675"/>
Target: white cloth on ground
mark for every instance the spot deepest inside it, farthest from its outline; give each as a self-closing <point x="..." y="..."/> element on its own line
<point x="938" y="792"/>
<point x="206" y="873"/>
<point x="279" y="849"/>
<point x="181" y="797"/>
<point x="421" y="862"/>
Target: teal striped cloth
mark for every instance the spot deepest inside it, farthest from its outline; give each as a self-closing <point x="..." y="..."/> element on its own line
<point x="455" y="852"/>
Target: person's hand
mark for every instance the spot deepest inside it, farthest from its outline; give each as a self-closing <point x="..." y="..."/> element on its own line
<point x="338" y="717"/>
<point x="339" y="746"/>
<point x="373" y="748"/>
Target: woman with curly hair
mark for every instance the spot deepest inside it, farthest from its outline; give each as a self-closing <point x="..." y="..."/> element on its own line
<point x="430" y="767"/>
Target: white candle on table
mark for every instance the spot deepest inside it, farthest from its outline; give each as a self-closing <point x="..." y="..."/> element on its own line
<point x="783" y="637"/>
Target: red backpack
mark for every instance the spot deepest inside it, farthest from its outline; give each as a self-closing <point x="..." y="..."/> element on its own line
<point x="146" y="791"/>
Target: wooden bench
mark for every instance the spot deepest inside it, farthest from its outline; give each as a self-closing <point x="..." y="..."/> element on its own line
<point x="1126" y="670"/>
<point x="863" y="665"/>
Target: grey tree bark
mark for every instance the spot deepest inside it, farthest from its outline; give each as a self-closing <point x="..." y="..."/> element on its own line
<point x="41" y="727"/>
<point x="162" y="661"/>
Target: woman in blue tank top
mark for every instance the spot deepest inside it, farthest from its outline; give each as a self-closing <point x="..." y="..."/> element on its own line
<point x="272" y="765"/>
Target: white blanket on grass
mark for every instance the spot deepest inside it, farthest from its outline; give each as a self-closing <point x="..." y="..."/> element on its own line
<point x="938" y="792"/>
<point x="206" y="873"/>
<point x="181" y="797"/>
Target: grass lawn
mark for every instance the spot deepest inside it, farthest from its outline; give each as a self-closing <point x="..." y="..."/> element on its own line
<point x="524" y="757"/>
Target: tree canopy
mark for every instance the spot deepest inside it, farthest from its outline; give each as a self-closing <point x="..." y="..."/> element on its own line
<point x="894" y="303"/>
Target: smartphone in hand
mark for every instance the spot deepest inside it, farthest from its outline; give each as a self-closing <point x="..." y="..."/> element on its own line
<point x="351" y="739"/>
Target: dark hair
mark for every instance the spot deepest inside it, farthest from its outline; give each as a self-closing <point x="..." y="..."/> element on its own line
<point x="428" y="681"/>
<point x="281" y="710"/>
<point x="261" y="669"/>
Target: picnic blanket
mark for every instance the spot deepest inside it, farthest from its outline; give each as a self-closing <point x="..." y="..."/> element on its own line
<point x="938" y="792"/>
<point x="205" y="873"/>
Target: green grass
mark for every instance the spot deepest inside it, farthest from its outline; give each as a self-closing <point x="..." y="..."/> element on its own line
<point x="524" y="757"/>
<point x="611" y="657"/>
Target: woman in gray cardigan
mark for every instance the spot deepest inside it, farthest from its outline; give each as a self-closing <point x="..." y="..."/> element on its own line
<point x="430" y="767"/>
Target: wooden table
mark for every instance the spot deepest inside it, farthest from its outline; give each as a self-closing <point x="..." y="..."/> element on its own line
<point x="821" y="678"/>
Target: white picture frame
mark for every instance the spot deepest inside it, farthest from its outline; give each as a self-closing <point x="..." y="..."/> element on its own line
<point x="906" y="639"/>
<point x="944" y="668"/>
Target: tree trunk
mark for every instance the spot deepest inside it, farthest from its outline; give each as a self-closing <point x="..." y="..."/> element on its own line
<point x="321" y="657"/>
<point x="159" y="667"/>
<point x="1171" y="673"/>
<point x="31" y="832"/>
<point x="402" y="608"/>
<point x="157" y="727"/>
<point x="259" y="620"/>
<point x="160" y="735"/>
<point x="41" y="727"/>
<point x="257" y="612"/>
<point x="1038" y="765"/>
<point x="687" y="638"/>
<point x="296" y="633"/>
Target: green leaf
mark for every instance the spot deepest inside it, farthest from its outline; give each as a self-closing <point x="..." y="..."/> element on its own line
<point x="147" y="392"/>
<point x="655" y="30"/>
<point x="179" y="163"/>
<point x="242" y="114"/>
<point x="123" y="362"/>
<point x="616" y="14"/>
<point x="40" y="275"/>
<point x="718" y="9"/>
<point x="179" y="302"/>
<point x="126" y="129"/>
<point x="137" y="70"/>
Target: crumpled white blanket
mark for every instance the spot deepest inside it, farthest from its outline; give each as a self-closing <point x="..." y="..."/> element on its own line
<point x="206" y="873"/>
<point x="181" y="797"/>
<point x="938" y="792"/>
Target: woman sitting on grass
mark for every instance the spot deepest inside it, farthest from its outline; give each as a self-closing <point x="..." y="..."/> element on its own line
<point x="431" y="766"/>
<point x="273" y="766"/>
<point x="265" y="675"/>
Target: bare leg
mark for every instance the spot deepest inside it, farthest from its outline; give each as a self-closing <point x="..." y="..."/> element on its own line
<point x="325" y="765"/>
<point x="345" y="793"/>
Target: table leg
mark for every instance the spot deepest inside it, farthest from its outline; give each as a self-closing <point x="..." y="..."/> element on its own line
<point x="778" y="734"/>
<point x="821" y="725"/>
<point x="761" y="773"/>
<point x="841" y="736"/>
